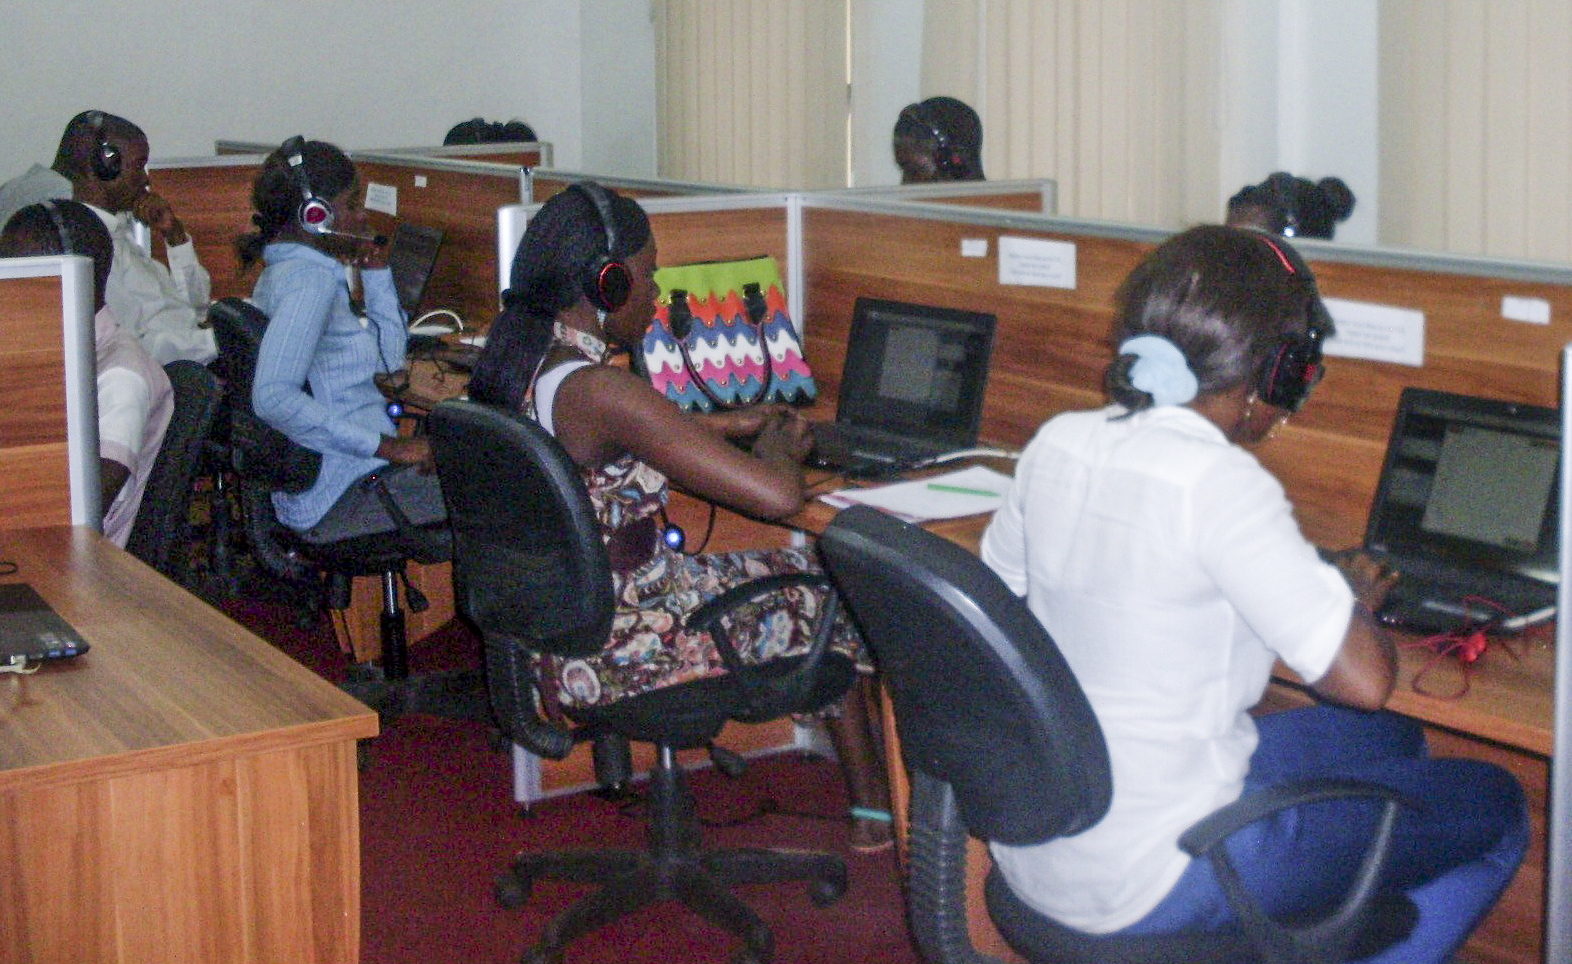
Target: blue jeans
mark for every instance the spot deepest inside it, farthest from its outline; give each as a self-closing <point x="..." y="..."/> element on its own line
<point x="1453" y="855"/>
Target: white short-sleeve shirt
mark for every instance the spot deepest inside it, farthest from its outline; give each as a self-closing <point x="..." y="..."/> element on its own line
<point x="1167" y="565"/>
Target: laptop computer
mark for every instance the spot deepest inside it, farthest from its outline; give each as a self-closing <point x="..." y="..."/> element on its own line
<point x="1466" y="511"/>
<point x="30" y="629"/>
<point x="412" y="254"/>
<point x="911" y="389"/>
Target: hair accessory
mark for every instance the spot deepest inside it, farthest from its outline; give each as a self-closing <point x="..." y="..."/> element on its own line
<point x="1160" y="370"/>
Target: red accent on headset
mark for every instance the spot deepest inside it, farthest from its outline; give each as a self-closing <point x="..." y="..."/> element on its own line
<point x="1287" y="265"/>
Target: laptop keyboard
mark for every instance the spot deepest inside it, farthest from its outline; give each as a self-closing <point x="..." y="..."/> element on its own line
<point x="1431" y="598"/>
<point x="847" y="447"/>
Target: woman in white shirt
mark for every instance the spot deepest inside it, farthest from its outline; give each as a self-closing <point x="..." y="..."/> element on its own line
<point x="1167" y="564"/>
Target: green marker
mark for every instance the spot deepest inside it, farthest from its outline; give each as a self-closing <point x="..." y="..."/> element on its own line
<point x="962" y="490"/>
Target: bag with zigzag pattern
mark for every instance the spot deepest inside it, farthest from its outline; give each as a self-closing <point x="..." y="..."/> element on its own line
<point x="722" y="337"/>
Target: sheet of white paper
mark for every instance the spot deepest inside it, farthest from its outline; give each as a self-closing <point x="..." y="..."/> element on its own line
<point x="1376" y="332"/>
<point x="1036" y="261"/>
<point x="382" y="197"/>
<point x="974" y="490"/>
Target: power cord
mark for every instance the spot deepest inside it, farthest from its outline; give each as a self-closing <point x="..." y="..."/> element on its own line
<point x="19" y="665"/>
<point x="458" y="323"/>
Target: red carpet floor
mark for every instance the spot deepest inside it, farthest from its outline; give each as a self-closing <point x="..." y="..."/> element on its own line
<point x="438" y="824"/>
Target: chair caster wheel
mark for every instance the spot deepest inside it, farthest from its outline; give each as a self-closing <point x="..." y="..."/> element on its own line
<point x="827" y="890"/>
<point x="511" y="892"/>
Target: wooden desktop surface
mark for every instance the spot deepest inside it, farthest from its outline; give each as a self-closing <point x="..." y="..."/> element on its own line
<point x="183" y="792"/>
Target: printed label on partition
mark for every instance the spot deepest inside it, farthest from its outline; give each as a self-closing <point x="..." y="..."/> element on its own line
<point x="382" y="197"/>
<point x="974" y="247"/>
<point x="1036" y="261"/>
<point x="1534" y="311"/>
<point x="1377" y="332"/>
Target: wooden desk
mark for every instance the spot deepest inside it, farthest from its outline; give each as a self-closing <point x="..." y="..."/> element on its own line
<point x="1504" y="718"/>
<point x="183" y="792"/>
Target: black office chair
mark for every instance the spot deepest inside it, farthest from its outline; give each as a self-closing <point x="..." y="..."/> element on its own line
<point x="161" y="533"/>
<point x="1002" y="744"/>
<point x="533" y="574"/>
<point x="265" y="460"/>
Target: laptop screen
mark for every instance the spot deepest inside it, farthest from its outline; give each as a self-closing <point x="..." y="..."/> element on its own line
<point x="1470" y="482"/>
<point x="411" y="256"/>
<point x="916" y="370"/>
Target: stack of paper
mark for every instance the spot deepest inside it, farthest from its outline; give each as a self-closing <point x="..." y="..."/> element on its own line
<point x="969" y="491"/>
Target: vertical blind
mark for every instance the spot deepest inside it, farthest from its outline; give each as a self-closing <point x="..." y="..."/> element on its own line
<point x="1114" y="99"/>
<point x="752" y="92"/>
<point x="1476" y="126"/>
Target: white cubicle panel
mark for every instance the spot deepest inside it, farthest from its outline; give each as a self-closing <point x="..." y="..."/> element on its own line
<point x="75" y="277"/>
<point x="1558" y="848"/>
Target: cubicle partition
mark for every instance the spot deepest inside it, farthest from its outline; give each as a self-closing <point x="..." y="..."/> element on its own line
<point x="1035" y="195"/>
<point x="1053" y="342"/>
<point x="460" y="197"/>
<point x="516" y="153"/>
<point x="49" y="423"/>
<point x="212" y="196"/>
<point x="544" y="182"/>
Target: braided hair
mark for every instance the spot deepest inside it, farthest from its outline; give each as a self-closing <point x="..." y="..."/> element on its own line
<point x="276" y="196"/>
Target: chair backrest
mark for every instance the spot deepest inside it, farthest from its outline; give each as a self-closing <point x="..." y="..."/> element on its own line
<point x="259" y="451"/>
<point x="530" y="561"/>
<point x="983" y="699"/>
<point x="163" y="520"/>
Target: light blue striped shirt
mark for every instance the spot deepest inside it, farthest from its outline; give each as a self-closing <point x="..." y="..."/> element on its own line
<point x="314" y="338"/>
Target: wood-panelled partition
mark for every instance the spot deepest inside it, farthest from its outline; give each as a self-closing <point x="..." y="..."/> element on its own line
<point x="544" y="182"/>
<point x="1034" y="196"/>
<point x="515" y="153"/>
<point x="213" y="198"/>
<point x="1053" y="343"/>
<point x="461" y="198"/>
<point x="49" y="422"/>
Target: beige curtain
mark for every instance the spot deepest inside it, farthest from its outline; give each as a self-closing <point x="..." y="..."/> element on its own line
<point x="1476" y="126"/>
<point x="752" y="92"/>
<point x="1114" y="99"/>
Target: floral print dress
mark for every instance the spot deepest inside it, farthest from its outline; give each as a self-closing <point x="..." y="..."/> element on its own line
<point x="649" y="648"/>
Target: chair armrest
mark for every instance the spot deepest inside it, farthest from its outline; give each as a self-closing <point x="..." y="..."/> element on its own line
<point x="762" y="693"/>
<point x="1332" y="935"/>
<point x="510" y="681"/>
<point x="936" y="875"/>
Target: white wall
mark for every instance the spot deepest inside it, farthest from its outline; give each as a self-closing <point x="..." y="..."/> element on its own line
<point x="617" y="88"/>
<point x="362" y="73"/>
<point x="886" y="76"/>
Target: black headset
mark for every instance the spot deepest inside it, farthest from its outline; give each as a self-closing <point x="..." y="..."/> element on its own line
<point x="314" y="215"/>
<point x="606" y="283"/>
<point x="105" y="160"/>
<point x="1288" y="377"/>
<point x="58" y="220"/>
<point x="946" y="159"/>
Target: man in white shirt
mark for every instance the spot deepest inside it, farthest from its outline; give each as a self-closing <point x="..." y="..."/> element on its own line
<point x="102" y="161"/>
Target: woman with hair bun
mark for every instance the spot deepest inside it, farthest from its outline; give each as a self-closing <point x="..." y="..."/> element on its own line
<point x="315" y="379"/>
<point x="1167" y="564"/>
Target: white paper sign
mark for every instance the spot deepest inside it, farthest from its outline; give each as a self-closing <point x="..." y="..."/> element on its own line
<point x="1376" y="332"/>
<point x="382" y="197"/>
<point x="1035" y="261"/>
<point x="974" y="247"/>
<point x="1535" y="311"/>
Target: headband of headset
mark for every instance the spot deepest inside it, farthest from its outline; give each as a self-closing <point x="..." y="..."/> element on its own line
<point x="606" y="283"/>
<point x="315" y="215"/>
<point x="105" y="161"/>
<point x="1296" y="367"/>
<point x="58" y="220"/>
<point x="946" y="159"/>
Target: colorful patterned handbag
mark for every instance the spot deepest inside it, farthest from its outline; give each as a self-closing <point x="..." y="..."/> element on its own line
<point x="722" y="338"/>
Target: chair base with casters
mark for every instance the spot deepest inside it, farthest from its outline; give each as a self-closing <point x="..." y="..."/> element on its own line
<point x="1003" y="745"/>
<point x="535" y="576"/>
